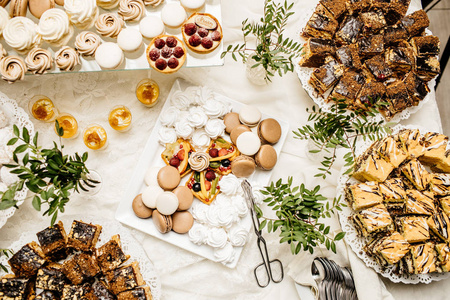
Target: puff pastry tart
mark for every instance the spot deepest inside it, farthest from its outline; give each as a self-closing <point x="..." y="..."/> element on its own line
<point x="222" y="153"/>
<point x="177" y="155"/>
<point x="202" y="33"/>
<point x="204" y="185"/>
<point x="166" y="53"/>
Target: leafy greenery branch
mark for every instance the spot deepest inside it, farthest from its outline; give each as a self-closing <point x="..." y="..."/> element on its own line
<point x="273" y="51"/>
<point x="298" y="211"/>
<point x="7" y="253"/>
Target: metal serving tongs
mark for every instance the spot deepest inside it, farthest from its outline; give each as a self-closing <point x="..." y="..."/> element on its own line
<point x="267" y="264"/>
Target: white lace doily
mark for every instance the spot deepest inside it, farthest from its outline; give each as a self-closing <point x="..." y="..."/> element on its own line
<point x="304" y="74"/>
<point x="357" y="242"/>
<point x="109" y="228"/>
<point x="20" y="118"/>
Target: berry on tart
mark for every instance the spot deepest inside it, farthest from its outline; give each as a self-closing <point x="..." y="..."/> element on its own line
<point x="166" y="54"/>
<point x="204" y="185"/>
<point x="177" y="155"/>
<point x="202" y="33"/>
<point x="222" y="153"/>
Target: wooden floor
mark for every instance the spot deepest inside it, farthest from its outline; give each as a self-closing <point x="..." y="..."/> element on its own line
<point x="440" y="26"/>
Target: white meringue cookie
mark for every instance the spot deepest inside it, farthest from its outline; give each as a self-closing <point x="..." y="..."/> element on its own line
<point x="167" y="135"/>
<point x="4" y="17"/>
<point x="217" y="237"/>
<point x="169" y="116"/>
<point x="82" y="13"/>
<point x="203" y="94"/>
<point x="215" y="128"/>
<point x="21" y="34"/>
<point x="237" y="235"/>
<point x="240" y="205"/>
<point x="257" y="195"/>
<point x="226" y="108"/>
<point x="54" y="27"/>
<point x="226" y="215"/>
<point x="199" y="211"/>
<point x="200" y="139"/>
<point x="198" y="234"/>
<point x="183" y="129"/>
<point x="213" y="108"/>
<point x="221" y="199"/>
<point x="212" y="216"/>
<point x="181" y="100"/>
<point x="229" y="185"/>
<point x="197" y="117"/>
<point x="225" y="254"/>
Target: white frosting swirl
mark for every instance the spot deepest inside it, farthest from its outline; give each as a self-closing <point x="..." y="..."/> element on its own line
<point x="3" y="52"/>
<point x="226" y="108"/>
<point x="87" y="42"/>
<point x="215" y="128"/>
<point x="54" y="27"/>
<point x="203" y="94"/>
<point x="183" y="129"/>
<point x="257" y="195"/>
<point x="222" y="200"/>
<point x="198" y="234"/>
<point x="199" y="211"/>
<point x="180" y="100"/>
<point x="109" y="24"/>
<point x="39" y="60"/>
<point x="200" y="139"/>
<point x="217" y="237"/>
<point x="199" y="161"/>
<point x="12" y="68"/>
<point x="226" y="254"/>
<point x="108" y="4"/>
<point x="211" y="216"/>
<point x="197" y="117"/>
<point x="167" y="135"/>
<point x="67" y="58"/>
<point x="131" y="10"/>
<point x="153" y="3"/>
<point x="21" y="34"/>
<point x="4" y="17"/>
<point x="238" y="235"/>
<point x="213" y="108"/>
<point x="169" y="116"/>
<point x="240" y="205"/>
<point x="82" y="13"/>
<point x="226" y="215"/>
<point x="229" y="185"/>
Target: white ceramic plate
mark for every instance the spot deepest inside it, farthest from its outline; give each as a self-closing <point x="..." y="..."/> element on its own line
<point x="151" y="156"/>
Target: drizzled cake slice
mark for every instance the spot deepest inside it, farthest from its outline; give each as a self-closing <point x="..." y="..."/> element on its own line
<point x="443" y="253"/>
<point x="394" y="195"/>
<point x="445" y="204"/>
<point x="391" y="150"/>
<point x="388" y="250"/>
<point x="416" y="173"/>
<point x="373" y="220"/>
<point x="440" y="184"/>
<point x="414" y="229"/>
<point x="372" y="167"/>
<point x="422" y="259"/>
<point x="411" y="140"/>
<point x="440" y="225"/>
<point x="435" y="146"/>
<point x="363" y="195"/>
<point x="419" y="203"/>
<point x="443" y="164"/>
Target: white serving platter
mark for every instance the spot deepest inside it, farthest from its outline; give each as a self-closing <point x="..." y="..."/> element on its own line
<point x="151" y="156"/>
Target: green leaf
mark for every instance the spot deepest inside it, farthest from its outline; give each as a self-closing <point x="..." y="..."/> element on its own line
<point x="35" y="139"/>
<point x="12" y="141"/>
<point x="339" y="236"/>
<point x="26" y="135"/>
<point x="20" y="149"/>
<point x="36" y="203"/>
<point x="16" y="130"/>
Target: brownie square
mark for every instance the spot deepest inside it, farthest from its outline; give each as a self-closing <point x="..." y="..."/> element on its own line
<point x="47" y="295"/>
<point x="349" y="56"/>
<point x="427" y="67"/>
<point x="373" y="21"/>
<point x="398" y="95"/>
<point x="323" y="78"/>
<point x="396" y="10"/>
<point x="322" y="24"/>
<point x="400" y="59"/>
<point x="110" y="255"/>
<point x="336" y="7"/>
<point x="358" y="5"/>
<point x="71" y="292"/>
<point x="416" y="87"/>
<point x="73" y="272"/>
<point x="53" y="240"/>
<point x="83" y="236"/>
<point x="12" y="288"/>
<point x="426" y="45"/>
<point x="416" y="22"/>
<point x="27" y="261"/>
<point x="349" y="30"/>
<point x="347" y="88"/>
<point x="51" y="278"/>
<point x="315" y="51"/>
<point x="140" y="293"/>
<point x="101" y="291"/>
<point x="395" y="34"/>
<point x="371" y="93"/>
<point x="371" y="45"/>
<point x="125" y="278"/>
<point x="377" y="68"/>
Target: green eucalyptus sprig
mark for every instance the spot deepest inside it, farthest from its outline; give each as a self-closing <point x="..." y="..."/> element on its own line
<point x="273" y="50"/>
<point x="298" y="211"/>
<point x="48" y="173"/>
<point x="7" y="253"/>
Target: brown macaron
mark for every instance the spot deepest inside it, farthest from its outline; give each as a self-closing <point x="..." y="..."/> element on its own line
<point x="37" y="7"/>
<point x="3" y="3"/>
<point x="162" y="223"/>
<point x="231" y="120"/>
<point x="182" y="221"/>
<point x="18" y="8"/>
<point x="168" y="178"/>
<point x="237" y="131"/>
<point x="140" y="210"/>
<point x="243" y="166"/>
<point x="266" y="158"/>
<point x="269" y="131"/>
<point x="185" y="197"/>
<point x="60" y="2"/>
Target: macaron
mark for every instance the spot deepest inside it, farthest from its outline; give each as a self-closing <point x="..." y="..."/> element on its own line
<point x="192" y="4"/>
<point x="269" y="131"/>
<point x="151" y="26"/>
<point x="249" y="115"/>
<point x="129" y="39"/>
<point x="60" y="2"/>
<point x="173" y="15"/>
<point x="37" y="7"/>
<point x="18" y="8"/>
<point x="237" y="131"/>
<point x="266" y="158"/>
<point x="243" y="166"/>
<point x="185" y="197"/>
<point x="150" y="194"/>
<point x="167" y="203"/>
<point x="108" y="55"/>
<point x="140" y="210"/>
<point x="248" y="143"/>
<point x="168" y="178"/>
<point x="151" y="176"/>
<point x="182" y="221"/>
<point x="231" y="120"/>
<point x="162" y="223"/>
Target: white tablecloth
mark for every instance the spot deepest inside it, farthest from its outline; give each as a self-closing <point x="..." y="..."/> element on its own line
<point x="89" y="96"/>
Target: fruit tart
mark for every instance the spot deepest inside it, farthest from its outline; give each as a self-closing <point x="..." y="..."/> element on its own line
<point x="166" y="53"/>
<point x="202" y="33"/>
<point x="177" y="155"/>
<point x="222" y="153"/>
<point x="204" y="185"/>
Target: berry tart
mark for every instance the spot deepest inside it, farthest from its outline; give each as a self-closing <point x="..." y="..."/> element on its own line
<point x="202" y="33"/>
<point x="177" y="155"/>
<point x="166" y="54"/>
<point x="222" y="153"/>
<point x="204" y="185"/>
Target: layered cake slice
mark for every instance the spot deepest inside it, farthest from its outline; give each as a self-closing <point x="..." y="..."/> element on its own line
<point x="392" y="151"/>
<point x="443" y="164"/>
<point x="372" y="167"/>
<point x="371" y="45"/>
<point x="347" y="88"/>
<point x="83" y="236"/>
<point x="323" y="78"/>
<point x="426" y="45"/>
<point x="53" y="241"/>
<point x="372" y="92"/>
<point x="322" y="24"/>
<point x="419" y="203"/>
<point x="414" y="229"/>
<point x="422" y="259"/>
<point x="27" y="261"/>
<point x="377" y="68"/>
<point x="395" y="34"/>
<point x="435" y="147"/>
<point x="416" y="22"/>
<point x="373" y="220"/>
<point x="125" y="278"/>
<point x="315" y="50"/>
<point x="443" y="253"/>
<point x="363" y="195"/>
<point x="411" y="140"/>
<point x="427" y="67"/>
<point x="416" y="173"/>
<point x="348" y="33"/>
<point x="399" y="59"/>
<point x="416" y="87"/>
<point x="388" y="250"/>
<point x="394" y="195"/>
<point x="12" y="288"/>
<point x="440" y="184"/>
<point x="398" y="96"/>
<point x="110" y="255"/>
<point x="440" y="225"/>
<point x="140" y="293"/>
<point x="51" y="278"/>
<point x="349" y="56"/>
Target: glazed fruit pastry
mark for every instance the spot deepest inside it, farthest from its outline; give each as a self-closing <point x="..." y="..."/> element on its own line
<point x="166" y="54"/>
<point x="202" y="33"/>
<point x="177" y="155"/>
<point x="204" y="185"/>
<point x="222" y="153"/>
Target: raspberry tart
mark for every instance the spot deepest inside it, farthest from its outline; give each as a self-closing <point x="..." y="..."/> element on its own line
<point x="202" y="33"/>
<point x="166" y="53"/>
<point x="222" y="153"/>
<point x="177" y="155"/>
<point x="204" y="185"/>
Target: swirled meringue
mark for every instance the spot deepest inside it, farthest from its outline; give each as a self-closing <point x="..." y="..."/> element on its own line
<point x="203" y="94"/>
<point x="200" y="139"/>
<point x="229" y="185"/>
<point x="67" y="58"/>
<point x="217" y="237"/>
<point x="12" y="68"/>
<point x="211" y="216"/>
<point x="226" y="215"/>
<point x="39" y="60"/>
<point x="198" y="234"/>
<point x="183" y="129"/>
<point x="108" y="4"/>
<point x="153" y="3"/>
<point x="199" y="211"/>
<point x="87" y="42"/>
<point x="3" y="51"/>
<point x="226" y="254"/>
<point x="54" y="26"/>
<point x="222" y="200"/>
<point x="169" y="116"/>
<point x="257" y="195"/>
<point x="131" y="10"/>
<point x="239" y="203"/>
<point x="238" y="235"/>
<point x="180" y="100"/>
<point x="197" y="117"/>
<point x="213" y="108"/>
<point x="167" y="135"/>
<point x="82" y="13"/>
<point x="21" y="34"/>
<point x="4" y="17"/>
<point x="109" y="24"/>
<point x="199" y="161"/>
<point x="215" y="128"/>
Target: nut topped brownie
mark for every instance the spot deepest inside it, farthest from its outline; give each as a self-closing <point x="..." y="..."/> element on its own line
<point x="125" y="278"/>
<point x="371" y="45"/>
<point x="315" y="50"/>
<point x="416" y="22"/>
<point x="336" y="7"/>
<point x="396" y="10"/>
<point x="395" y="34"/>
<point x="349" y="30"/>
<point x="347" y="88"/>
<point x="111" y="255"/>
<point x="322" y="24"/>
<point x="28" y="260"/>
<point x="12" y="288"/>
<point x="349" y="56"/>
<point x="83" y="236"/>
<point x="373" y="21"/>
<point x="417" y="88"/>
<point x="53" y="240"/>
<point x="51" y="278"/>
<point x="101" y="291"/>
<point x="140" y="293"/>
<point x="355" y="6"/>
<point x="326" y="76"/>
<point x="377" y="68"/>
<point x="47" y="295"/>
<point x="426" y="45"/>
<point x="371" y="92"/>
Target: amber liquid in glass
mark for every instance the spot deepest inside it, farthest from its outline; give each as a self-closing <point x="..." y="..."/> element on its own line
<point x="43" y="109"/>
<point x="120" y="118"/>
<point x="69" y="124"/>
<point x="147" y="92"/>
<point x="95" y="137"/>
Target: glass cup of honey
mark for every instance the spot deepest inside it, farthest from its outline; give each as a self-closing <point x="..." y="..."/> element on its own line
<point x="120" y="118"/>
<point x="42" y="108"/>
<point x="94" y="137"/>
<point x="147" y="92"/>
<point x="69" y="124"/>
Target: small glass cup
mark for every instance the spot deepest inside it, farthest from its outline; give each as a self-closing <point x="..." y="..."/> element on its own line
<point x="93" y="175"/>
<point x="147" y="92"/>
<point x="120" y="118"/>
<point x="95" y="138"/>
<point x="42" y="108"/>
<point x="69" y="124"/>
